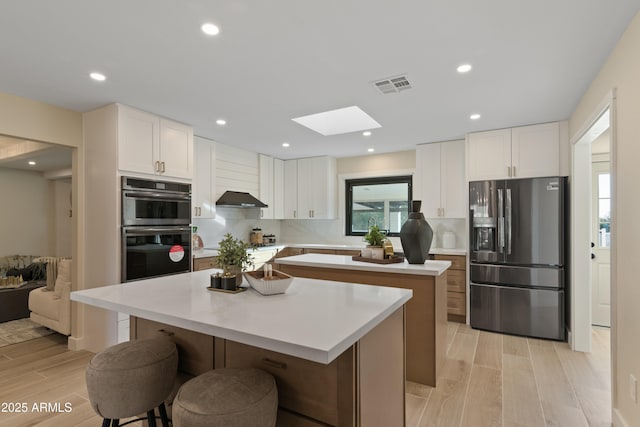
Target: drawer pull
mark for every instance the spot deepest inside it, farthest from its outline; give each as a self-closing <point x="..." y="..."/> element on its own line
<point x="165" y="332"/>
<point x="274" y="363"/>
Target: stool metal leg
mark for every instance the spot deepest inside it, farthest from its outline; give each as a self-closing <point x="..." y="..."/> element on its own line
<point x="106" y="422"/>
<point x="151" y="417"/>
<point x="163" y="415"/>
<point x="115" y="423"/>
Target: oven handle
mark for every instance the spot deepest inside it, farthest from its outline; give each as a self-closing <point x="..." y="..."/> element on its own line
<point x="144" y="231"/>
<point x="153" y="196"/>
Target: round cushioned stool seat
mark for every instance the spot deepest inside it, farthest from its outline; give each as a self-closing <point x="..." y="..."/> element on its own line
<point x="229" y="398"/>
<point x="131" y="378"/>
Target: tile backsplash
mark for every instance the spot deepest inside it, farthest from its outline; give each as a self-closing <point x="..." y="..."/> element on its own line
<point x="239" y="223"/>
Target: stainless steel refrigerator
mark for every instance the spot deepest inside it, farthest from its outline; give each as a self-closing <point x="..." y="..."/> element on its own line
<point x="518" y="256"/>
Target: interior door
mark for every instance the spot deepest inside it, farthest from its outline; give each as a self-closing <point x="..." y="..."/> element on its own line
<point x="601" y="251"/>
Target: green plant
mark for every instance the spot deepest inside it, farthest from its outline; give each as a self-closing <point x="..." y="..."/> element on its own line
<point x="374" y="236"/>
<point x="233" y="255"/>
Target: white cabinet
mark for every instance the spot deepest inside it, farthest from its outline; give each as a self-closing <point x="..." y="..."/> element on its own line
<point x="203" y="190"/>
<point x="152" y="145"/>
<point x="310" y="188"/>
<point x="266" y="186"/>
<point x="271" y="187"/>
<point x="440" y="179"/>
<point x="522" y="152"/>
<point x="278" y="189"/>
<point x="290" y="189"/>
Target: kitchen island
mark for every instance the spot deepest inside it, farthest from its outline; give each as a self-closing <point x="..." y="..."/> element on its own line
<point x="336" y="349"/>
<point x="426" y="313"/>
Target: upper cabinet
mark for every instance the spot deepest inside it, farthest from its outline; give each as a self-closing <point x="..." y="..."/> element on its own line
<point x="203" y="189"/>
<point x="522" y="152"/>
<point x="271" y="187"/>
<point x="152" y="145"/>
<point x="310" y="188"/>
<point x="440" y="179"/>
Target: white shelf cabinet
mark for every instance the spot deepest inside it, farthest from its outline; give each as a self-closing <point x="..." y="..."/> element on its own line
<point x="440" y="179"/>
<point x="310" y="188"/>
<point x="522" y="152"/>
<point x="203" y="188"/>
<point x="148" y="144"/>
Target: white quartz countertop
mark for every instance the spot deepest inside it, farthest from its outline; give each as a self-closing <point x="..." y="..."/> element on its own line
<point x="315" y="319"/>
<point x="429" y="268"/>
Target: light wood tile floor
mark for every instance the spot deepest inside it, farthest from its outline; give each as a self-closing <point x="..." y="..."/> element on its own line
<point x="488" y="380"/>
<point x="501" y="380"/>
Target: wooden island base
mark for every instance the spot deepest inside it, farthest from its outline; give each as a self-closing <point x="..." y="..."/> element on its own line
<point x="426" y="312"/>
<point x="364" y="386"/>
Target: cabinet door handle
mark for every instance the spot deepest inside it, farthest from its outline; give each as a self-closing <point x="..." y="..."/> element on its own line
<point x="165" y="332"/>
<point x="199" y="211"/>
<point x="157" y="166"/>
<point x="162" y="163"/>
<point x="514" y="171"/>
<point x="295" y="214"/>
<point x="274" y="363"/>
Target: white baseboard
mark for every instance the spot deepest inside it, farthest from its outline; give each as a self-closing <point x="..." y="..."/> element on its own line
<point x="618" y="421"/>
<point x="75" y="344"/>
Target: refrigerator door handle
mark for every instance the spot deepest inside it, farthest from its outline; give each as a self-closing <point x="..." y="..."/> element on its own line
<point x="507" y="214"/>
<point x="500" y="221"/>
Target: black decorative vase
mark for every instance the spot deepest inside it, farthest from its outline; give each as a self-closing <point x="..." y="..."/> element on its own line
<point x="416" y="235"/>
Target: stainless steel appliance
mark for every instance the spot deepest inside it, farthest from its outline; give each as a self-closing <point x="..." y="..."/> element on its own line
<point x="518" y="231"/>
<point x="156" y="232"/>
<point x="146" y="202"/>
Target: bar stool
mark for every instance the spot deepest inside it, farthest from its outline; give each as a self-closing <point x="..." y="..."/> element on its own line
<point x="227" y="398"/>
<point x="132" y="378"/>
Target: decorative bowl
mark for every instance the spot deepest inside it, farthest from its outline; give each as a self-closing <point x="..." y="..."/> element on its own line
<point x="277" y="284"/>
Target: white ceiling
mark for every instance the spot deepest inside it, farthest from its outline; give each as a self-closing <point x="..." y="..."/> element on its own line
<point x="276" y="60"/>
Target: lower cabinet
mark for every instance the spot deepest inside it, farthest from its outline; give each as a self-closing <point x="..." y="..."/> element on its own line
<point x="456" y="287"/>
<point x="204" y="263"/>
<point x="304" y="387"/>
<point x="195" y="350"/>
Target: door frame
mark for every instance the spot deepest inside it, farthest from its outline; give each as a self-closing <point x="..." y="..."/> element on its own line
<point x="580" y="304"/>
<point x="599" y="166"/>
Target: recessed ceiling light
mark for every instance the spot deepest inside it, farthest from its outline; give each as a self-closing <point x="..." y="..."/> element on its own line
<point x="221" y="122"/>
<point x="98" y="77"/>
<point x="32" y="163"/>
<point x="285" y="144"/>
<point x="210" y="29"/>
<point x="464" y="68"/>
<point x="366" y="133"/>
<point x="475" y="116"/>
<point x="371" y="150"/>
<point x="335" y="122"/>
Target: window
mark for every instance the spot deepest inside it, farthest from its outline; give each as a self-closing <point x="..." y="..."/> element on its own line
<point x="604" y="210"/>
<point x="381" y="201"/>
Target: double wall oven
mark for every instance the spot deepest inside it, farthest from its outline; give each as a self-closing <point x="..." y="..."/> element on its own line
<point x="156" y="231"/>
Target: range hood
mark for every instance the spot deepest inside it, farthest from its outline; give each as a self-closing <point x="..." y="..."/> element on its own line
<point x="238" y="199"/>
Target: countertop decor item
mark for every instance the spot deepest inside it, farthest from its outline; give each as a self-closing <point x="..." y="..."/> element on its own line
<point x="276" y="283"/>
<point x="376" y="239"/>
<point x="233" y="257"/>
<point x="389" y="260"/>
<point x="196" y="240"/>
<point x="416" y="235"/>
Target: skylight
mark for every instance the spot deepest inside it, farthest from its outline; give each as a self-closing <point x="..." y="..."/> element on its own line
<point x="335" y="122"/>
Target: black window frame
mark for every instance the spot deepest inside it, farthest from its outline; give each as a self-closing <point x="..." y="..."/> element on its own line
<point x="350" y="183"/>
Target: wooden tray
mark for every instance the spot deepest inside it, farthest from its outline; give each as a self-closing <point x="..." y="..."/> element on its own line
<point x="237" y="291"/>
<point x="392" y="260"/>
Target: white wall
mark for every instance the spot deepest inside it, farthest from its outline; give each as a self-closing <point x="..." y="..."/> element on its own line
<point x="620" y="72"/>
<point x="31" y="222"/>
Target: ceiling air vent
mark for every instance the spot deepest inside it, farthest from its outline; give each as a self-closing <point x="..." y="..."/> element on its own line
<point x="393" y="84"/>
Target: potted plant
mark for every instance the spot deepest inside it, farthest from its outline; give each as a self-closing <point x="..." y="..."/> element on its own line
<point x="233" y="257"/>
<point x="375" y="238"/>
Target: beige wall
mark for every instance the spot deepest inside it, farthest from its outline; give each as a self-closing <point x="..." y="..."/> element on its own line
<point x="621" y="72"/>
<point x="401" y="160"/>
<point x="29" y="119"/>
